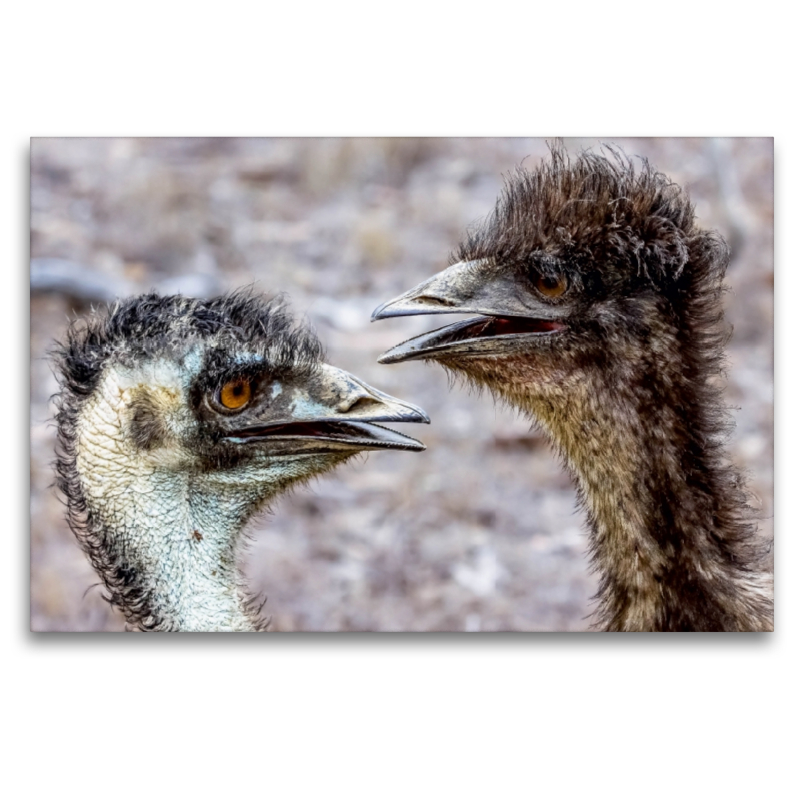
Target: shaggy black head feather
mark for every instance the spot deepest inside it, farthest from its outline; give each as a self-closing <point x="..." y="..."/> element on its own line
<point x="146" y="324"/>
<point x="618" y="222"/>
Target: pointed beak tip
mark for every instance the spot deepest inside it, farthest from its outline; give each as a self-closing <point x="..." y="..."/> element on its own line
<point x="414" y="414"/>
<point x="417" y="448"/>
<point x="386" y="358"/>
<point x="424" y="418"/>
<point x="378" y="312"/>
<point x="391" y="356"/>
<point x="403" y="306"/>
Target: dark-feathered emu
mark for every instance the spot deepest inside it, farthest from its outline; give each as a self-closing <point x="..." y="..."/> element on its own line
<point x="178" y="419"/>
<point x="601" y="319"/>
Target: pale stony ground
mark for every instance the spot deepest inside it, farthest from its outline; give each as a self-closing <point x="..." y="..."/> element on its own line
<point x="480" y="532"/>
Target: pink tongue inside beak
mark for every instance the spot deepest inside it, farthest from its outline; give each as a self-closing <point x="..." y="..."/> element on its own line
<point x="503" y="325"/>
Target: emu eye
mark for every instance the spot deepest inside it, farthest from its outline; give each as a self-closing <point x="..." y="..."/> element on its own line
<point x="235" y="394"/>
<point x="551" y="286"/>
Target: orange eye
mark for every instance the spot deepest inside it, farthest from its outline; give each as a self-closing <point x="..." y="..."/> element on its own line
<point x="551" y="286"/>
<point x="235" y="394"/>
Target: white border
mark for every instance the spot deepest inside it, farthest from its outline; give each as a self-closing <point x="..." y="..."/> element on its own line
<point x="399" y="716"/>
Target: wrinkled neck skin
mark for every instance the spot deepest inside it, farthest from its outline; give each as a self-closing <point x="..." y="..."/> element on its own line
<point x="669" y="544"/>
<point x="178" y="536"/>
<point x="163" y="537"/>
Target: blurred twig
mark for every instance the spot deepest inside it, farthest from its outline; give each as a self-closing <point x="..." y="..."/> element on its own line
<point x="92" y="286"/>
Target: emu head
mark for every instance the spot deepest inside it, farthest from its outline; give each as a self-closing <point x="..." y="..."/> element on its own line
<point x="588" y="270"/>
<point x="228" y="392"/>
<point x="177" y="420"/>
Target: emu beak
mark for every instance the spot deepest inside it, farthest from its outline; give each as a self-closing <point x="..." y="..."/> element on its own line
<point x="340" y="395"/>
<point x="468" y="287"/>
<point x="508" y="316"/>
<point x="334" y="411"/>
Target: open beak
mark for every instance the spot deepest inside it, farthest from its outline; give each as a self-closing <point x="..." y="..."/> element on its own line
<point x="506" y="315"/>
<point x="335" y="411"/>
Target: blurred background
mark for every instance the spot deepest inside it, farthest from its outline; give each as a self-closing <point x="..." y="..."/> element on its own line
<point x="480" y="532"/>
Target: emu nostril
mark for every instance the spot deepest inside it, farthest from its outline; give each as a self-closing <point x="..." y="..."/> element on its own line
<point x="433" y="301"/>
<point x="359" y="404"/>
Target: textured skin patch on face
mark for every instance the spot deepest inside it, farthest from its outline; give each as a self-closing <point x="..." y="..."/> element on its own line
<point x="104" y="454"/>
<point x="147" y="429"/>
<point x="121" y="432"/>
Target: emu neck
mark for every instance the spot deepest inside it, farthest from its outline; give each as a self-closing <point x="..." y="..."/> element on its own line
<point x="164" y="540"/>
<point x="670" y="549"/>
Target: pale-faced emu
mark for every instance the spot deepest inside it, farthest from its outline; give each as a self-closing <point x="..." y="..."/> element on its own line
<point x="178" y="419"/>
<point x="600" y="317"/>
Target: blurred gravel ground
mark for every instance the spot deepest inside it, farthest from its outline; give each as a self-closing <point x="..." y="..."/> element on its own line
<point x="480" y="532"/>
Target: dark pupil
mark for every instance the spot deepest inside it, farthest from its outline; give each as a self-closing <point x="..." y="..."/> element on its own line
<point x="238" y="389"/>
<point x="550" y="283"/>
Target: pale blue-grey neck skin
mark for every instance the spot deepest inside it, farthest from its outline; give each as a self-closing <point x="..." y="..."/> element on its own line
<point x="174" y="523"/>
<point x="183" y="534"/>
